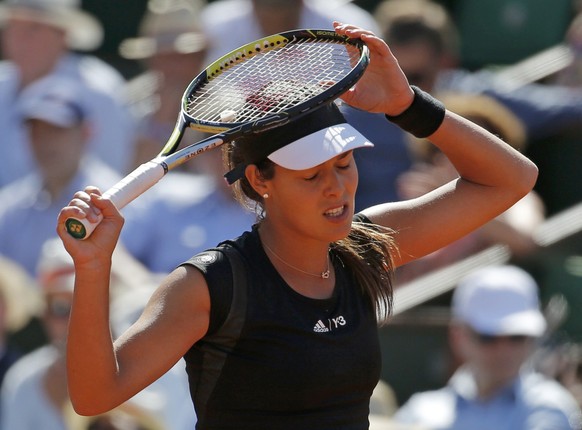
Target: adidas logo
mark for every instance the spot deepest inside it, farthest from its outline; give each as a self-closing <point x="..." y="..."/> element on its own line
<point x="334" y="323"/>
<point x="320" y="327"/>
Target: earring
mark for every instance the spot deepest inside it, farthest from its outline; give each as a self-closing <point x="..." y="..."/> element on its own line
<point x="266" y="195"/>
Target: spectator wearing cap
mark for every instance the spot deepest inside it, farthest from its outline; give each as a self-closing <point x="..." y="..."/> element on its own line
<point x="59" y="129"/>
<point x="496" y="320"/>
<point x="43" y="38"/>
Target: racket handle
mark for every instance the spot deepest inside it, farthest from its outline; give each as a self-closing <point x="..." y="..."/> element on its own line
<point x="121" y="194"/>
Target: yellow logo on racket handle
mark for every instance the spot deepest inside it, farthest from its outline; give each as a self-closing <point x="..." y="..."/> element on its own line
<point x="76" y="228"/>
<point x="80" y="228"/>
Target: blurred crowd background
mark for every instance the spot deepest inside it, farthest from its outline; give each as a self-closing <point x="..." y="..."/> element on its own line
<point x="88" y="91"/>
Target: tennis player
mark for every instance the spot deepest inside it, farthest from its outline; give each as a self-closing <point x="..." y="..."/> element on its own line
<point x="278" y="328"/>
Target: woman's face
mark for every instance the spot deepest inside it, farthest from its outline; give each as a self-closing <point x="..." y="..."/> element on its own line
<point x="317" y="202"/>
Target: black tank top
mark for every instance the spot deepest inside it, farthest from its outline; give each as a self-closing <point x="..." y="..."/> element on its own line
<point x="275" y="359"/>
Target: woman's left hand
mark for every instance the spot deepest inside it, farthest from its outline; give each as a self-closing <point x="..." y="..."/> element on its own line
<point x="383" y="87"/>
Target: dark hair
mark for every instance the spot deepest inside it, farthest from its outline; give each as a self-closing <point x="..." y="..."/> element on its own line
<point x="234" y="156"/>
<point x="366" y="251"/>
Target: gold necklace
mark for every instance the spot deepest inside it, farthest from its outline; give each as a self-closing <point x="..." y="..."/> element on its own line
<point x="322" y="275"/>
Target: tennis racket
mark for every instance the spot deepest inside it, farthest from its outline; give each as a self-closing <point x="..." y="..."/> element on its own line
<point x="261" y="85"/>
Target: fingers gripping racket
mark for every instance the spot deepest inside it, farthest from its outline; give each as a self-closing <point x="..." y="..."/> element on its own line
<point x="261" y="85"/>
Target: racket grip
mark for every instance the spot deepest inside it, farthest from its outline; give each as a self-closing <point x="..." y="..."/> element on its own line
<point x="121" y="194"/>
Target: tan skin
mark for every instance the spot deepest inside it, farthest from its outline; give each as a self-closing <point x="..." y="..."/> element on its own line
<point x="57" y="151"/>
<point x="279" y="16"/>
<point x="33" y="46"/>
<point x="54" y="380"/>
<point x="493" y="365"/>
<point x="102" y="373"/>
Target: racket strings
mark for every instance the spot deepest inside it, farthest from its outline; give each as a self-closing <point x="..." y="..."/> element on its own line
<point x="273" y="81"/>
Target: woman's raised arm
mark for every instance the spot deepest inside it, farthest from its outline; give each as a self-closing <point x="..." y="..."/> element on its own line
<point x="493" y="176"/>
<point x="102" y="373"/>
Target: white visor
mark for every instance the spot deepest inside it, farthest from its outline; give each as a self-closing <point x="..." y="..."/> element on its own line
<point x="319" y="147"/>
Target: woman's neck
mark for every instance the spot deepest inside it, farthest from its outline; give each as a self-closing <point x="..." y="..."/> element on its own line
<point x="308" y="270"/>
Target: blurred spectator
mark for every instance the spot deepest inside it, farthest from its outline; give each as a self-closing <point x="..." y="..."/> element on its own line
<point x="495" y="323"/>
<point x="40" y="38"/>
<point x="514" y="228"/>
<point x="233" y="23"/>
<point x="192" y="209"/>
<point x="383" y="401"/>
<point x="423" y="37"/>
<point x="383" y="404"/>
<point x="19" y="303"/>
<point x="562" y="362"/>
<point x="58" y="126"/>
<point x="34" y="393"/>
<point x="171" y="48"/>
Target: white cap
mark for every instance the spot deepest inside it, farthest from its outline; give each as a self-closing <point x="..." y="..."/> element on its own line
<point x="318" y="147"/>
<point x="499" y="301"/>
<point x="54" y="100"/>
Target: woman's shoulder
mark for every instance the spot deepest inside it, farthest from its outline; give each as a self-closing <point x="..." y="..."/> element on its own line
<point x="219" y="255"/>
<point x="223" y="267"/>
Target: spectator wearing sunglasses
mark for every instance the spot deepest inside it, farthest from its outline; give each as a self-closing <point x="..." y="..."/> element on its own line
<point x="496" y="321"/>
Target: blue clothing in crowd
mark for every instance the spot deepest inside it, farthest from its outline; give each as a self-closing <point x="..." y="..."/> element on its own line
<point x="112" y="125"/>
<point x="183" y="215"/>
<point x="28" y="214"/>
<point x="546" y="110"/>
<point x="532" y="402"/>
